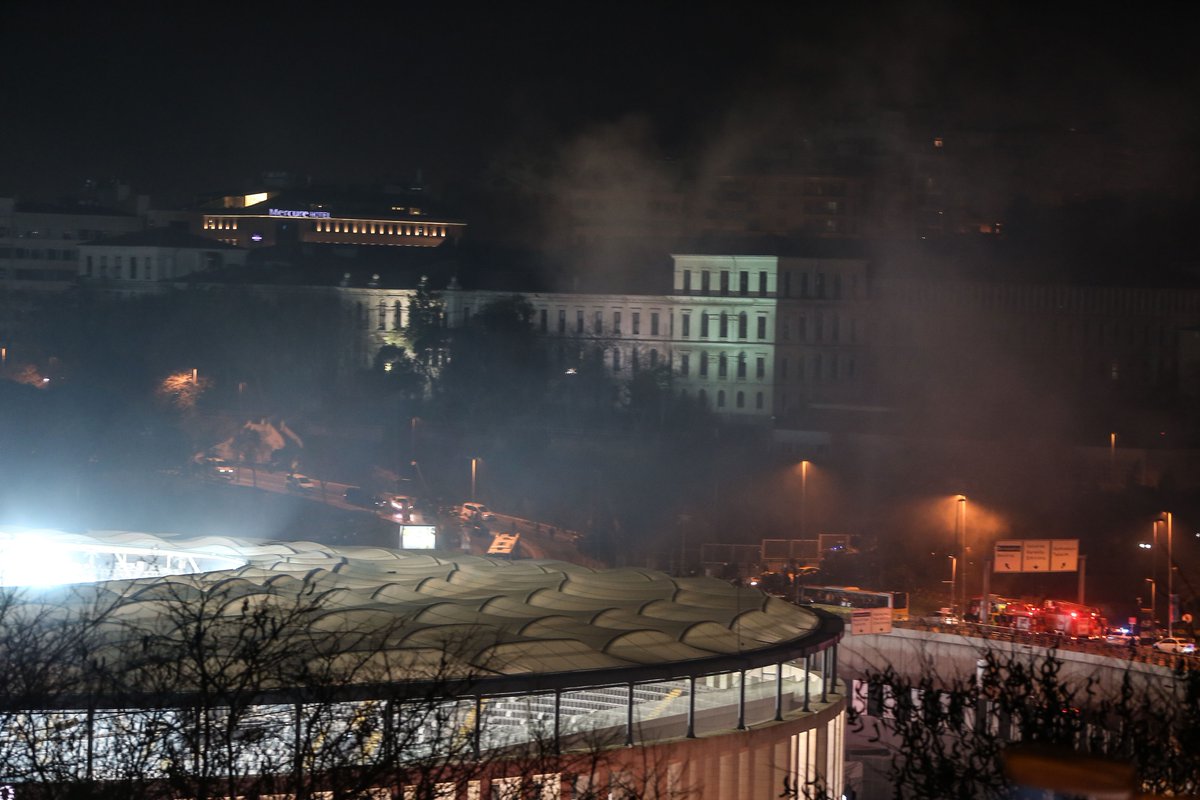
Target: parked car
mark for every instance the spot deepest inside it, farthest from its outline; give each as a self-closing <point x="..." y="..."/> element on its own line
<point x="943" y="616"/>
<point x="301" y="483"/>
<point x="1173" y="644"/>
<point x="475" y="512"/>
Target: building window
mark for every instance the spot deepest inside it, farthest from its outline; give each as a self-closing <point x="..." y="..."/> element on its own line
<point x="616" y="323"/>
<point x="760" y="367"/>
<point x="579" y="321"/>
<point x="762" y="328"/>
<point x="684" y="364"/>
<point x="635" y="320"/>
<point x="740" y="399"/>
<point x="635" y="361"/>
<point x="542" y="321"/>
<point x="758" y="400"/>
<point x="724" y="283"/>
<point x="762" y="284"/>
<point x="562" y="320"/>
<point x="397" y="316"/>
<point x="722" y="366"/>
<point x="704" y="365"/>
<point x="741" y="365"/>
<point x="704" y="325"/>
<point x="616" y="359"/>
<point x="654" y="323"/>
<point x="743" y="325"/>
<point x="744" y="284"/>
<point x="685" y="324"/>
<point x="721" y="398"/>
<point x="723" y="328"/>
<point x="382" y="325"/>
<point x="598" y="323"/>
<point x="704" y="282"/>
<point x="687" y="281"/>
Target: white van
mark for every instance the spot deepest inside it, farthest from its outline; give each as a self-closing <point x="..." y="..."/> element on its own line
<point x="475" y="512"/>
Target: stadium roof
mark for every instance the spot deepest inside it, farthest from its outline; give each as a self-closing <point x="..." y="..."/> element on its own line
<point x="420" y="617"/>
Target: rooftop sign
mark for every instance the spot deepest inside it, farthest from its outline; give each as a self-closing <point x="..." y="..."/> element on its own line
<point x="285" y="212"/>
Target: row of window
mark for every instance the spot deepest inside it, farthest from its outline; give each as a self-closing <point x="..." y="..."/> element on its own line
<point x="739" y="399"/>
<point x="820" y="368"/>
<point x="39" y="254"/>
<point x="722" y="362"/>
<point x="378" y="228"/>
<point x="82" y="234"/>
<point x="133" y="268"/>
<point x="654" y="319"/>
<point x="818" y="329"/>
<point x="819" y="289"/>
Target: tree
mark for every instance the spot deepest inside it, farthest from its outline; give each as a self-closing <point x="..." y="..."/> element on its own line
<point x="425" y="330"/>
<point x="949" y="736"/>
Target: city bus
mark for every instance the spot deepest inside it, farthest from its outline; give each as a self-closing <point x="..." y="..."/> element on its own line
<point x="840" y="599"/>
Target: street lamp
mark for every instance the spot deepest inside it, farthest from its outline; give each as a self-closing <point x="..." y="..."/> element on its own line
<point x="803" y="496"/>
<point x="1170" y="577"/>
<point x="474" y="467"/>
<point x="960" y="524"/>
<point x="1153" y="597"/>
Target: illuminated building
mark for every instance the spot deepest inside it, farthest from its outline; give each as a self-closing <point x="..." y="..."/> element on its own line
<point x="281" y="217"/>
<point x="159" y="254"/>
<point x="712" y="691"/>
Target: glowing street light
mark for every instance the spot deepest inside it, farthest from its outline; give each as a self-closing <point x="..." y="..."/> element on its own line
<point x="960" y="524"/>
<point x="474" y="466"/>
<point x="803" y="496"/>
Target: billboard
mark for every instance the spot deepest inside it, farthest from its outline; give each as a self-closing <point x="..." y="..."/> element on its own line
<point x="418" y="537"/>
<point x="1036" y="555"/>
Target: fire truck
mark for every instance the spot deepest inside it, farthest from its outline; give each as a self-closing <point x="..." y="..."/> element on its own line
<point x="1051" y="616"/>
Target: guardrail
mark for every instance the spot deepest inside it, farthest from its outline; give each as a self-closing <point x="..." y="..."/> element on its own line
<point x="1141" y="653"/>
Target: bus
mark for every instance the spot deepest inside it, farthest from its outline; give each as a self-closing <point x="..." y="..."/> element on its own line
<point x="841" y="598"/>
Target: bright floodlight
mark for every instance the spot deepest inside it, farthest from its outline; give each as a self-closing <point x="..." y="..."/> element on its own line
<point x="52" y="558"/>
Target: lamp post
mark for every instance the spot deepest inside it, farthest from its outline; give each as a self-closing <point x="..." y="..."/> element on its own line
<point x="474" y="466"/>
<point x="1170" y="578"/>
<point x="953" y="577"/>
<point x="1153" y="592"/>
<point x="803" y="496"/>
<point x="960" y="524"/>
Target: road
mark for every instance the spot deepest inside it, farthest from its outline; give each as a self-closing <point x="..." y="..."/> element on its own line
<point x="538" y="539"/>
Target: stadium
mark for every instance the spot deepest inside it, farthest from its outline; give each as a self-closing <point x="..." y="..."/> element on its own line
<point x="205" y="667"/>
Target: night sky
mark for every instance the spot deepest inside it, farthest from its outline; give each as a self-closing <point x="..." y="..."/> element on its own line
<point x="178" y="103"/>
